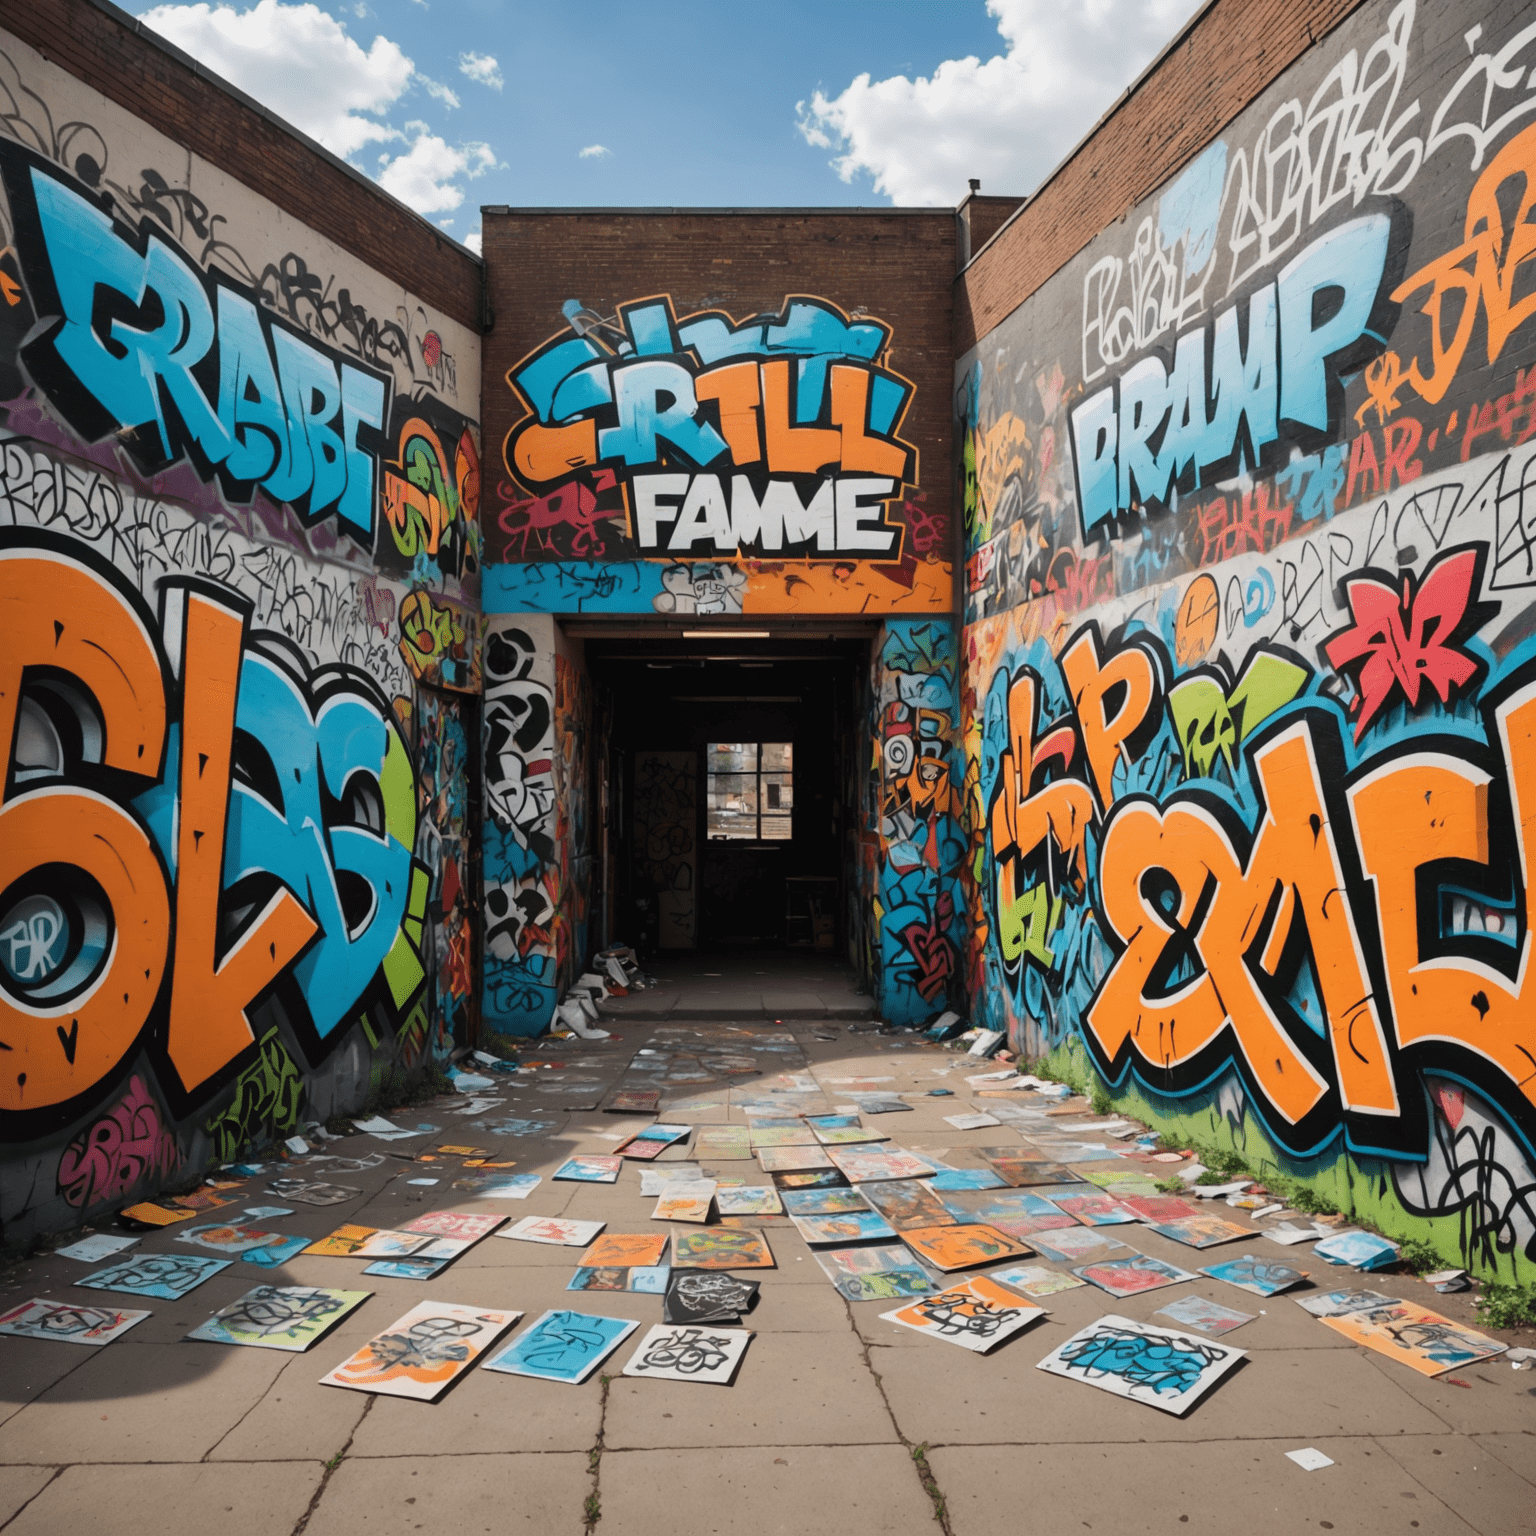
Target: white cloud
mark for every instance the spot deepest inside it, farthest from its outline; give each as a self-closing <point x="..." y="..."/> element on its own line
<point x="443" y="93"/>
<point x="472" y="240"/>
<point x="482" y="68"/>
<point x="594" y="152"/>
<point x="423" y="176"/>
<point x="301" y="63"/>
<point x="298" y="61"/>
<point x="1009" y="120"/>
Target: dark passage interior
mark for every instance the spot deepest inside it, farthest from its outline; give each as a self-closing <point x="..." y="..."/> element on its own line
<point x="729" y="787"/>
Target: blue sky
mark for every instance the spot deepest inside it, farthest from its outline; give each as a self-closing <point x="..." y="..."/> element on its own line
<point x="681" y="102"/>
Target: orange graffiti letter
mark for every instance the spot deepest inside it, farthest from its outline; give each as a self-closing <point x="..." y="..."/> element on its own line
<point x="1113" y="699"/>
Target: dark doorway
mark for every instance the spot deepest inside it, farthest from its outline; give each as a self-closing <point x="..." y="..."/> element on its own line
<point x="734" y="774"/>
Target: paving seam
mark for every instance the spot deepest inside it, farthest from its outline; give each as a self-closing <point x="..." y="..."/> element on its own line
<point x="926" y="1480"/>
<point x="58" y="1472"/>
<point x="592" y="1511"/>
<point x="330" y="1467"/>
<point x="1408" y="1472"/>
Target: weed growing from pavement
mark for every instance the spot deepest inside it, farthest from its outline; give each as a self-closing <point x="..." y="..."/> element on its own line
<point x="1420" y="1257"/>
<point x="930" y="1483"/>
<point x="1507" y="1306"/>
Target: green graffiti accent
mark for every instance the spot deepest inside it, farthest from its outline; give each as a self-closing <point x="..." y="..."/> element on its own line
<point x="397" y="785"/>
<point x="1024" y="926"/>
<point x="403" y="970"/>
<point x="267" y="1097"/>
<point x="1212" y="722"/>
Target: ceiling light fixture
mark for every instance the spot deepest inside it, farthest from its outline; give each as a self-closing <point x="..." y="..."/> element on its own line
<point x="733" y="634"/>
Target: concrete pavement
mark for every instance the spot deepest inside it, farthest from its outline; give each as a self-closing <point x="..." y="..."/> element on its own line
<point x="837" y="1420"/>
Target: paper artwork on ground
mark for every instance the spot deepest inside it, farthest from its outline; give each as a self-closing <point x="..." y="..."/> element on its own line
<point x="906" y="1204"/>
<point x="862" y="1166"/>
<point x="288" y="1317"/>
<point x="721" y="1248"/>
<point x="963" y="1247"/>
<point x="343" y="1243"/>
<point x="966" y="1178"/>
<point x="1416" y="1337"/>
<point x="1200" y="1231"/>
<point x="99" y="1246"/>
<point x="1096" y="1210"/>
<point x="66" y="1323"/>
<point x="1161" y="1367"/>
<point x="1336" y="1303"/>
<point x="1036" y="1280"/>
<point x="167" y="1275"/>
<point x="686" y="1202"/>
<point x="670" y="1352"/>
<point x="815" y="1178"/>
<point x="749" y="1200"/>
<point x="1256" y="1275"/>
<point x="467" y="1225"/>
<point x="794" y="1134"/>
<point x="273" y="1254"/>
<point x="876" y="1274"/>
<point x="1362" y="1250"/>
<point x="975" y="1313"/>
<point x="851" y="1227"/>
<point x="421" y="1354"/>
<point x="222" y="1239"/>
<point x="821" y="1202"/>
<point x="563" y="1346"/>
<point x="696" y="1296"/>
<point x="645" y="1279"/>
<point x="1132" y="1275"/>
<point x="553" y="1229"/>
<point x="793" y="1159"/>
<point x="1079" y="1245"/>
<point x="590" y="1170"/>
<point x="1208" y="1316"/>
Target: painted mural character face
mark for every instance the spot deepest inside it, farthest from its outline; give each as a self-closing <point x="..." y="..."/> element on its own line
<point x="322" y="798"/>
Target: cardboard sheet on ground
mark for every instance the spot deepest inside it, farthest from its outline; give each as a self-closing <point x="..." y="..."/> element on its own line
<point x="1162" y="1367"/>
<point x="1079" y="1245"/>
<point x="1160" y="1207"/>
<point x="814" y="1178"/>
<point x="590" y="1170"/>
<point x="553" y="1229"/>
<point x="700" y="1296"/>
<point x="849" y="1136"/>
<point x="272" y="1254"/>
<point x="729" y="1143"/>
<point x="1037" y="1281"/>
<point x="796" y="1159"/>
<point x="822" y="1202"/>
<point x="964" y="1247"/>
<point x="1327" y="1304"/>
<point x="975" y="1313"/>
<point x="1017" y="1167"/>
<point x="850" y="1227"/>
<point x="975" y="1122"/>
<point x="833" y="1122"/>
<point x="343" y="1243"/>
<point x="685" y="1202"/>
<point x="634" y="1101"/>
<point x="390" y="1244"/>
<point x="68" y="1324"/>
<point x="1259" y="1276"/>
<point x="748" y="1200"/>
<point x="147" y="1214"/>
<point x="1416" y="1337"/>
<point x="201" y="1200"/>
<point x="314" y="1193"/>
<point x="1208" y="1316"/>
<point x="876" y="1274"/>
<point x="516" y="1186"/>
<point x="1025" y="1227"/>
<point x="721" y="1248"/>
<point x="644" y="1279"/>
<point x="878" y="1104"/>
<point x="562" y="1346"/>
<point x="1132" y="1275"/>
<point x="670" y="1352"/>
<point x="793" y="1134"/>
<point x="422" y="1353"/>
<point x="1362" y="1250"/>
<point x="906" y="1204"/>
<point x="167" y="1275"/>
<point x="469" y="1226"/>
<point x="417" y="1267"/>
<point x="863" y="1165"/>
<point x="287" y="1317"/>
<point x="1200" y="1231"/>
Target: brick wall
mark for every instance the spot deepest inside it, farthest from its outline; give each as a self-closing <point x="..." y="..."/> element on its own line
<point x="897" y="265"/>
<point x="107" y="49"/>
<point x="1229" y="54"/>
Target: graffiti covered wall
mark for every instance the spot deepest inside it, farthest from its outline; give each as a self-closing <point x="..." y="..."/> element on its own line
<point x="239" y="477"/>
<point x="1250" y="676"/>
<point x="667" y="462"/>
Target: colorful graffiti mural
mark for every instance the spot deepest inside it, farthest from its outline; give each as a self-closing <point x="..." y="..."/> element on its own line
<point x="753" y="466"/>
<point x="920" y="906"/>
<point x="221" y="912"/>
<point x="1249" y="684"/>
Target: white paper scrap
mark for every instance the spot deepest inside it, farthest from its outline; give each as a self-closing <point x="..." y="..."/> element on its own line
<point x="1309" y="1460"/>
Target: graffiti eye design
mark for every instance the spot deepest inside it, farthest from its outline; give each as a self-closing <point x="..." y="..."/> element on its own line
<point x="55" y="933"/>
<point x="57" y="728"/>
<point x="361" y="804"/>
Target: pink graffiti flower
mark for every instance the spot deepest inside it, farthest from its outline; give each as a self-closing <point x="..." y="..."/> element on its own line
<point x="1410" y="640"/>
<point x="431" y="349"/>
